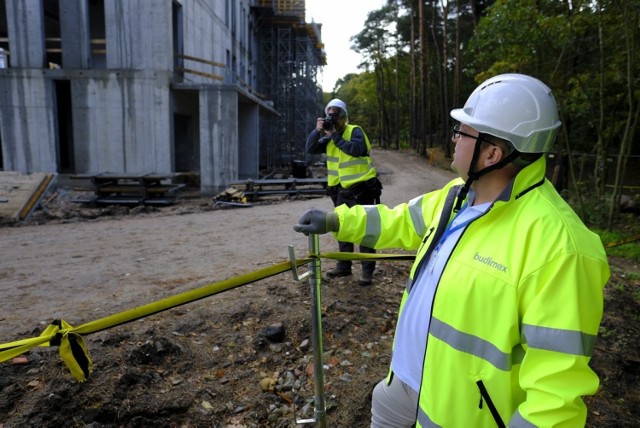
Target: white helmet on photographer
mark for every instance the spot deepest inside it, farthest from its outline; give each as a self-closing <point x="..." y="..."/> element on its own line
<point x="336" y="103"/>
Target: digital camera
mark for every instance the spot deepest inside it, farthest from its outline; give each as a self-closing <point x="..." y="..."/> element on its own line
<point x="330" y="122"/>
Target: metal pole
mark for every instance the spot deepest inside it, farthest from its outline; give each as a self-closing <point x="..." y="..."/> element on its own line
<point x="315" y="281"/>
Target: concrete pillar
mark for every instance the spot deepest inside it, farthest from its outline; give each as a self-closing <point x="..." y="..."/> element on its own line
<point x="28" y="124"/>
<point x="218" y="138"/>
<point x="25" y="21"/>
<point x="75" y="35"/>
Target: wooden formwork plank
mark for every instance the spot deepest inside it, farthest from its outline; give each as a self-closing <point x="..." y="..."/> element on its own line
<point x="20" y="193"/>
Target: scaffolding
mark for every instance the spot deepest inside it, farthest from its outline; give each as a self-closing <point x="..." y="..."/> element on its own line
<point x="291" y="52"/>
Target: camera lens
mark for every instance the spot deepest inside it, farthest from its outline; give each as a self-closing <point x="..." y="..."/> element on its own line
<point x="328" y="123"/>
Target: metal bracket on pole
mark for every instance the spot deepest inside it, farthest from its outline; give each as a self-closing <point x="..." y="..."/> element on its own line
<point x="315" y="280"/>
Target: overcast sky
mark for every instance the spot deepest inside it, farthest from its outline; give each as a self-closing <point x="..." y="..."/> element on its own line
<point x="340" y="19"/>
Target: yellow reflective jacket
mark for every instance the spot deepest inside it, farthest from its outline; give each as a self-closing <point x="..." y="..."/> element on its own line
<point x="345" y="169"/>
<point x="516" y="310"/>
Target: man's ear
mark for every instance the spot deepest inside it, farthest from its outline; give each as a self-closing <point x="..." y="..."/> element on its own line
<point x="492" y="155"/>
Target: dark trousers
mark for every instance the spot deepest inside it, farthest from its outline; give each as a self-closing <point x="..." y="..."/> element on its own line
<point x="360" y="195"/>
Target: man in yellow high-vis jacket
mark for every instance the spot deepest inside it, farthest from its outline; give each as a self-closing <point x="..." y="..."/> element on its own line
<point x="351" y="177"/>
<point x="499" y="318"/>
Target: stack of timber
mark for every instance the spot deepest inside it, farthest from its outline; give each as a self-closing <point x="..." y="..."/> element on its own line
<point x="130" y="189"/>
<point x="231" y="197"/>
<point x="253" y="189"/>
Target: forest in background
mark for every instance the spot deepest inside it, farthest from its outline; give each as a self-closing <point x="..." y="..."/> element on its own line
<point x="423" y="58"/>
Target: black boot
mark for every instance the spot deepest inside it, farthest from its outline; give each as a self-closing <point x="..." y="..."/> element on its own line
<point x="366" y="278"/>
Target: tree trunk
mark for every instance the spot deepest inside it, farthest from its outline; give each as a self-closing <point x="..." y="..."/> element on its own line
<point x="424" y="110"/>
<point x="397" y="95"/>
<point x="629" y="131"/>
<point x="600" y="167"/>
<point x="414" y="133"/>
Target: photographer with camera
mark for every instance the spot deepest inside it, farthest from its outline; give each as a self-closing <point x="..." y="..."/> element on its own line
<point x="352" y="178"/>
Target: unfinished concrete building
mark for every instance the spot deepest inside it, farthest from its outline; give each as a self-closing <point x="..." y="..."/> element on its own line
<point x="219" y="88"/>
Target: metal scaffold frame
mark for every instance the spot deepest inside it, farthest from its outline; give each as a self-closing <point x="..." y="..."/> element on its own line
<point x="290" y="54"/>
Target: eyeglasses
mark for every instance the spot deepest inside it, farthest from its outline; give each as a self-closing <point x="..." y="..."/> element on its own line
<point x="457" y="133"/>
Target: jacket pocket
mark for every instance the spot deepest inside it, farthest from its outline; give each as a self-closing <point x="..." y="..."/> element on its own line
<point x="486" y="398"/>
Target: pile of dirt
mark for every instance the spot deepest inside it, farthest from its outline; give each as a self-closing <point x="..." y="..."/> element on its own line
<point x="242" y="358"/>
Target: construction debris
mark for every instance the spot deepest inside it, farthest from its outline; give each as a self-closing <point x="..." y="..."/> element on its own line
<point x="231" y="197"/>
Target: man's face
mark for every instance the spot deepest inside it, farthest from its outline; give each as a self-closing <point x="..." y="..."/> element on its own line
<point x="340" y="121"/>
<point x="464" y="144"/>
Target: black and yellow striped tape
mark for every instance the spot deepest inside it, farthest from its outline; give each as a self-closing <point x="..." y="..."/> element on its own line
<point x="69" y="339"/>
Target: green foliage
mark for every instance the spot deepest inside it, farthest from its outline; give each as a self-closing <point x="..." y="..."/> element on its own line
<point x="585" y="50"/>
<point x="581" y="49"/>
<point x="516" y="36"/>
<point x="630" y="250"/>
<point x="591" y="207"/>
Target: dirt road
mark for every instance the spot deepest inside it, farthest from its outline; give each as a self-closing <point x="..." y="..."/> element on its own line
<point x="80" y="271"/>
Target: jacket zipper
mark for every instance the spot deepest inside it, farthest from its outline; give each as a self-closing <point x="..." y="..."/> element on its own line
<point x="496" y="415"/>
<point x="484" y="394"/>
<point x="424" y="240"/>
<point x="426" y="237"/>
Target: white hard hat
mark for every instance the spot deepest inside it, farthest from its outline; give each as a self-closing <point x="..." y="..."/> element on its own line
<point x="515" y="107"/>
<point x="336" y="103"/>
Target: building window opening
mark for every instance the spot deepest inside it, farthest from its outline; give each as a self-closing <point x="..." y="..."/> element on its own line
<point x="178" y="44"/>
<point x="51" y="9"/>
<point x="97" y="32"/>
<point x="64" y="116"/>
<point x="4" y="36"/>
<point x="186" y="132"/>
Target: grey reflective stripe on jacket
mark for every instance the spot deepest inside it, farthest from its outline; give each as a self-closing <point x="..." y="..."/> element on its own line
<point x="476" y="346"/>
<point x="355" y="176"/>
<point x="373" y="227"/>
<point x="415" y="211"/>
<point x="333" y="159"/>
<point x="553" y="339"/>
<point x="354" y="162"/>
<point x="550" y="339"/>
<point x="424" y="421"/>
<point x="517" y="421"/>
<point x="374" y="222"/>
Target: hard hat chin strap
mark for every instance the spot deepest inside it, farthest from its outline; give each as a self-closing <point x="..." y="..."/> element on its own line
<point x="473" y="175"/>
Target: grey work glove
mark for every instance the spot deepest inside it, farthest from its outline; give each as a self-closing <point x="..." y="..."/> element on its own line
<point x="318" y="222"/>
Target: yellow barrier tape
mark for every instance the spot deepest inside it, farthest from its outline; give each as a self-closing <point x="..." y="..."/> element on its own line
<point x="71" y="346"/>
<point x="367" y="256"/>
<point x="622" y="241"/>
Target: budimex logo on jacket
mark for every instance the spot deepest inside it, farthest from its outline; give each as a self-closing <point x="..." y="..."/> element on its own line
<point x="490" y="262"/>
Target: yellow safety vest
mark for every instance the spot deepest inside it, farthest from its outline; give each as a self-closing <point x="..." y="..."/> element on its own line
<point x="345" y="169"/>
<point x="516" y="311"/>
